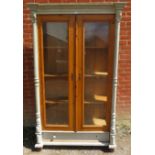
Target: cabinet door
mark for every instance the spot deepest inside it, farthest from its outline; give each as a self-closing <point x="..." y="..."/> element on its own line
<point x="94" y="71"/>
<point x="56" y="35"/>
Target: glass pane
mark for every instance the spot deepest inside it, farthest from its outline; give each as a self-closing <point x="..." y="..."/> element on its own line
<point x="56" y="72"/>
<point x="56" y="92"/>
<point x="55" y="48"/>
<point x="96" y="72"/>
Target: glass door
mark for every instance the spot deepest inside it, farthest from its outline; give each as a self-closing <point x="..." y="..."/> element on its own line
<point x="95" y="76"/>
<point x="76" y="61"/>
<point x="57" y="71"/>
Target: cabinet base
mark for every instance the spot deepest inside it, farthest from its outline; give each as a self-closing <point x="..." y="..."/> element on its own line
<point x="75" y="143"/>
<point x="53" y="138"/>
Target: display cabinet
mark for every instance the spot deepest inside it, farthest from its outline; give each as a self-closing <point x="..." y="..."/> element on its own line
<point x="76" y="48"/>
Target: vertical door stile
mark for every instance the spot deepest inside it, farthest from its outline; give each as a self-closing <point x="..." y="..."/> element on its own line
<point x="77" y="73"/>
<point x="110" y="69"/>
<point x="71" y="71"/>
<point x="82" y="73"/>
<point x="41" y="67"/>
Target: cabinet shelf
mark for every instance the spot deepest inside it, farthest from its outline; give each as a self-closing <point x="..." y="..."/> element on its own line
<point x="56" y="101"/>
<point x="93" y="102"/>
<point x="97" y="100"/>
<point x="67" y="47"/>
<point x="95" y="75"/>
<point x="66" y="101"/>
<point x="55" y="75"/>
<point x="56" y="47"/>
<point x="95" y="47"/>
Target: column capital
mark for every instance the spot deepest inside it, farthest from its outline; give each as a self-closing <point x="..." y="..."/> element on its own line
<point x="118" y="15"/>
<point x="34" y="17"/>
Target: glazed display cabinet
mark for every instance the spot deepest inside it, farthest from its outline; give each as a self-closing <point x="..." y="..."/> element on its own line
<point x="76" y="48"/>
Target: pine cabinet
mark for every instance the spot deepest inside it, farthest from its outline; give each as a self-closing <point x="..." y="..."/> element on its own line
<point x="76" y="59"/>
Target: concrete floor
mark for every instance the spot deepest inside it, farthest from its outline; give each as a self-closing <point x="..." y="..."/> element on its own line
<point x="123" y="144"/>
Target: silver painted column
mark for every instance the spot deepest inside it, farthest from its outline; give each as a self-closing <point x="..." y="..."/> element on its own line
<point x="39" y="143"/>
<point x="115" y="80"/>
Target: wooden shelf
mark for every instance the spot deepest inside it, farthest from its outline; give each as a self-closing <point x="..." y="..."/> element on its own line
<point x="94" y="76"/>
<point x="56" y="101"/>
<point x="97" y="74"/>
<point x="65" y="102"/>
<point x="101" y="98"/>
<point x="95" y="47"/>
<point x="56" y="47"/>
<point x="55" y="75"/>
<point x="101" y="73"/>
<point x="97" y="100"/>
<point x="93" y="102"/>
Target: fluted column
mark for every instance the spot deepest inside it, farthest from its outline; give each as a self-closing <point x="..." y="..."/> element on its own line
<point x="115" y="80"/>
<point x="36" y="82"/>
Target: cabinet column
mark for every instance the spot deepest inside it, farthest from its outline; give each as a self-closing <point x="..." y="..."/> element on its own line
<point x="115" y="80"/>
<point x="38" y="133"/>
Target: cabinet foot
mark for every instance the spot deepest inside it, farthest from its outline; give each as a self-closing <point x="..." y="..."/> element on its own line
<point x="38" y="146"/>
<point x="112" y="147"/>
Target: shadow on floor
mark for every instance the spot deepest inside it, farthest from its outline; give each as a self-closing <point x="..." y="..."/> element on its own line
<point x="29" y="137"/>
<point x="29" y="140"/>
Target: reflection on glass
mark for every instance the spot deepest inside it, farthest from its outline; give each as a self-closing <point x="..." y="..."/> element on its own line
<point x="96" y="71"/>
<point x="55" y="41"/>
<point x="55" y="48"/>
<point x="94" y="114"/>
<point x="56" y="114"/>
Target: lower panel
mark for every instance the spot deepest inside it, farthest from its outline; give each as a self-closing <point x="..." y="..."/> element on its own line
<point x="75" y="138"/>
<point x="75" y="143"/>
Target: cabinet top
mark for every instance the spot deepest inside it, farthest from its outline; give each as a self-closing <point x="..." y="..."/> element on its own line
<point x="76" y="8"/>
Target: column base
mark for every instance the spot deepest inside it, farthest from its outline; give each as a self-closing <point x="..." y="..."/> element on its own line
<point x="112" y="147"/>
<point x="38" y="146"/>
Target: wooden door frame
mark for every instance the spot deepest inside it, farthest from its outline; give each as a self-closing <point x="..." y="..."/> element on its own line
<point x="80" y="70"/>
<point x="71" y="21"/>
<point x="76" y="27"/>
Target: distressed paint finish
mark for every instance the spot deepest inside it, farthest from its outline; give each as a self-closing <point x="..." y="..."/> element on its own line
<point x="76" y="8"/>
<point x="115" y="79"/>
<point x="79" y="135"/>
<point x="36" y="82"/>
<point x="73" y="8"/>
